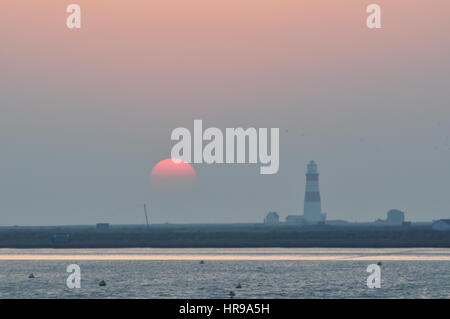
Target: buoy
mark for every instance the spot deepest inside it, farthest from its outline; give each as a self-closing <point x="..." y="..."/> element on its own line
<point x="238" y="286"/>
<point x="102" y="283"/>
<point x="232" y="294"/>
<point x="201" y="262"/>
<point x="379" y="263"/>
<point x="30" y="276"/>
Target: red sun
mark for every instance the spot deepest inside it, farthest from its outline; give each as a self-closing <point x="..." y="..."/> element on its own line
<point x="172" y="174"/>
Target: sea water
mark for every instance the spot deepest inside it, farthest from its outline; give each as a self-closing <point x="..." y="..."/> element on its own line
<point x="262" y="273"/>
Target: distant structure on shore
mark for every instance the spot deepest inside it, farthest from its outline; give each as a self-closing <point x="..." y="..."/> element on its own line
<point x="395" y="217"/>
<point x="441" y="225"/>
<point x="295" y="220"/>
<point x="272" y="218"/>
<point x="312" y="207"/>
<point x="313" y="215"/>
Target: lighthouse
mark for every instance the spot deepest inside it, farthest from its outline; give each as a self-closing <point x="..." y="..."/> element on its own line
<point x="312" y="210"/>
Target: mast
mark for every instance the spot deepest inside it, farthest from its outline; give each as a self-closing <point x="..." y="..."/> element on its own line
<point x="146" y="217"/>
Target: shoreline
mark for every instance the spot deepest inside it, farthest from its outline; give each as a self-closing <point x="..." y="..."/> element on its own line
<point x="268" y="237"/>
<point x="201" y="255"/>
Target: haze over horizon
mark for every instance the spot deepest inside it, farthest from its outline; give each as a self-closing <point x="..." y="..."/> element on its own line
<point x="86" y="114"/>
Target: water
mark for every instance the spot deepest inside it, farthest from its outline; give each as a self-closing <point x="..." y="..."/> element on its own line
<point x="263" y="273"/>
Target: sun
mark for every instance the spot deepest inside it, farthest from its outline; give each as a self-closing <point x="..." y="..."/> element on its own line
<point x="172" y="175"/>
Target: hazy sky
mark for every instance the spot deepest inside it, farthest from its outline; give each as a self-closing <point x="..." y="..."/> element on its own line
<point x="85" y="114"/>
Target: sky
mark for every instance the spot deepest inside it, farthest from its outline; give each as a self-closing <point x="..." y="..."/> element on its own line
<point x="85" y="114"/>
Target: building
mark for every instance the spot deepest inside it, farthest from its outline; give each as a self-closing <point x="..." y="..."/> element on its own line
<point x="337" y="222"/>
<point x="441" y="225"/>
<point x="272" y="218"/>
<point x="295" y="220"/>
<point x="394" y="217"/>
<point x="312" y="209"/>
<point x="102" y="226"/>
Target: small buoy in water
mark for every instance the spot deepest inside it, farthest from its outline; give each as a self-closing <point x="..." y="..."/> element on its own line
<point x="201" y="262"/>
<point x="379" y="263"/>
<point x="238" y="286"/>
<point x="30" y="276"/>
<point x="102" y="283"/>
<point x="232" y="294"/>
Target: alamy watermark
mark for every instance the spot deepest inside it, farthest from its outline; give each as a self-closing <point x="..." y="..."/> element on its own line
<point x="73" y="21"/>
<point x="374" y="279"/>
<point x="74" y="279"/>
<point x="373" y="21"/>
<point x="235" y="146"/>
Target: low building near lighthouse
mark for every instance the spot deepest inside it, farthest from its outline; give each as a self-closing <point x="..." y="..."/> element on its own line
<point x="394" y="217"/>
<point x="295" y="220"/>
<point x="272" y="218"/>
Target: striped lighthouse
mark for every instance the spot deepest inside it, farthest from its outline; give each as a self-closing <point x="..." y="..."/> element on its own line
<point x="312" y="208"/>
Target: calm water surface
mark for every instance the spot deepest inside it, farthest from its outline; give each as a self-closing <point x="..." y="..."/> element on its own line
<point x="263" y="273"/>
